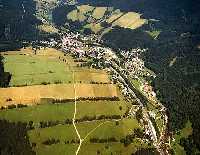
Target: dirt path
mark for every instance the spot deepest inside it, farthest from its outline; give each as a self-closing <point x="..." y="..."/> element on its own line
<point x="74" y="118"/>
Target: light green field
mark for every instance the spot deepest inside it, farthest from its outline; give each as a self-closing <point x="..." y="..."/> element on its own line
<point x="102" y="130"/>
<point x="154" y="34"/>
<point x="61" y="112"/>
<point x="31" y="70"/>
<point x="97" y="129"/>
<point x="94" y="27"/>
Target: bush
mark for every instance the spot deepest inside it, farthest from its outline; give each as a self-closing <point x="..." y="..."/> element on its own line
<point x="21" y="106"/>
<point x="51" y="141"/>
<point x="57" y="82"/>
<point x="45" y="83"/>
<point x="11" y="106"/>
<point x="8" y="100"/>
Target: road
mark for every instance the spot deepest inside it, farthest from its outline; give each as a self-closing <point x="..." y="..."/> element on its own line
<point x="146" y="116"/>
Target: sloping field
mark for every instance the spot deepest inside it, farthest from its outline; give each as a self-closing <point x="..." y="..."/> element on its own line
<point x="99" y="12"/>
<point x="30" y="69"/>
<point x="94" y="27"/>
<point x="47" y="66"/>
<point x="34" y="94"/>
<point x="130" y="20"/>
<point x="114" y="16"/>
<point x="91" y="75"/>
<point x="61" y="112"/>
<point x="98" y="129"/>
<point x="75" y="15"/>
<point x="85" y="8"/>
<point x="67" y="132"/>
<point x="83" y="13"/>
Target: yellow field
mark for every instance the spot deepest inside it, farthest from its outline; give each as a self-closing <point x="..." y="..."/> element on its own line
<point x="48" y="29"/>
<point x="33" y="94"/>
<point x="99" y="12"/>
<point x="94" y="27"/>
<point x="130" y="20"/>
<point x="91" y="75"/>
<point x="114" y="16"/>
<point x="85" y="8"/>
<point x="75" y="15"/>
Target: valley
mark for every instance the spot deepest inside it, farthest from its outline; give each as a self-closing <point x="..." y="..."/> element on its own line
<point x="99" y="77"/>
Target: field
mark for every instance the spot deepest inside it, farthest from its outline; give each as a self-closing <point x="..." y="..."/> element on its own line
<point x="60" y="112"/>
<point x="34" y="94"/>
<point x="88" y="130"/>
<point x="46" y="75"/>
<point x="46" y="66"/>
<point x="48" y="28"/>
<point x="65" y="133"/>
<point x="129" y="20"/>
<point x="103" y="130"/>
<point x="99" y="12"/>
<point x="92" y="18"/>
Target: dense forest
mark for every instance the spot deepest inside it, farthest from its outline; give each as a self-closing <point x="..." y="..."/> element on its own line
<point x="17" y="20"/>
<point x="14" y="139"/>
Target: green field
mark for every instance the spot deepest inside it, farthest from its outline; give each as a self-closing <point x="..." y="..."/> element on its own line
<point x="45" y="67"/>
<point x="89" y="149"/>
<point x="61" y="112"/>
<point x="101" y="130"/>
<point x="31" y="70"/>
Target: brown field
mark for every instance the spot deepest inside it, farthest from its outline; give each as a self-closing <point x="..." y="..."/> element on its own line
<point x="33" y="94"/>
<point x="86" y="75"/>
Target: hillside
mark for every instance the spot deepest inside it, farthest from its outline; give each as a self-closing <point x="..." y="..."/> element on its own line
<point x="100" y="76"/>
<point x="172" y="37"/>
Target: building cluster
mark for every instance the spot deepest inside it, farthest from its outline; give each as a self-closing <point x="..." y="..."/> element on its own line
<point x="148" y="89"/>
<point x="133" y="62"/>
<point x="80" y="47"/>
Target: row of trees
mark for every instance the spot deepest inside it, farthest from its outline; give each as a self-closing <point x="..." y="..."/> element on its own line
<point x="46" y="124"/>
<point x="55" y="101"/>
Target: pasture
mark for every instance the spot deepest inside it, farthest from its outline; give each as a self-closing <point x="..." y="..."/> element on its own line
<point x="61" y="112"/>
<point x="100" y="129"/>
<point x="48" y="66"/>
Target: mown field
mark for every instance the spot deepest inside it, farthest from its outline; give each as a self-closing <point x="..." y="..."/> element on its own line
<point x="47" y="66"/>
<point x="34" y="94"/>
<point x="93" y="17"/>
